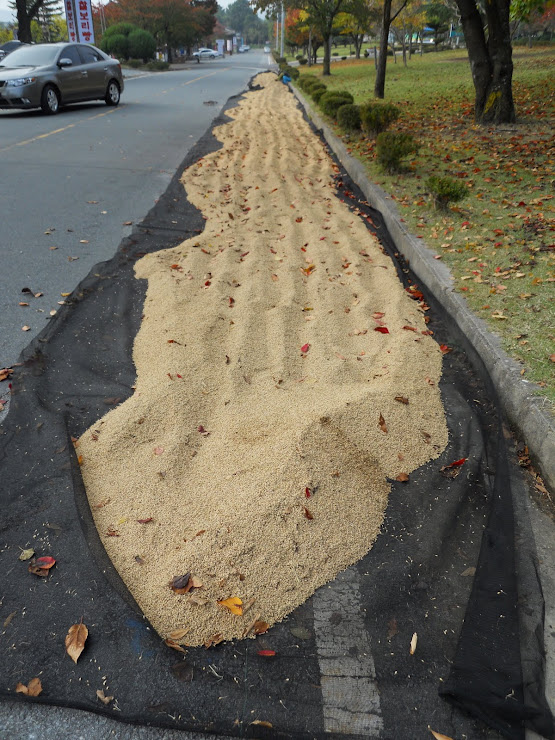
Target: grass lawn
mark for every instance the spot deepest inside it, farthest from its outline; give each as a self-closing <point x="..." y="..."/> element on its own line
<point x="499" y="241"/>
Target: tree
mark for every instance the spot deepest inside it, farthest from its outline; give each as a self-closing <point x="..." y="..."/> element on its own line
<point x="320" y="15"/>
<point x="48" y="28"/>
<point x="490" y="57"/>
<point x="438" y="17"/>
<point x="28" y="10"/>
<point x="142" y="44"/>
<point x="388" y="16"/>
<point x="357" y="18"/>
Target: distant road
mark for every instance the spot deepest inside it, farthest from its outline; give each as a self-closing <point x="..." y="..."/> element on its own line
<point x="70" y="182"/>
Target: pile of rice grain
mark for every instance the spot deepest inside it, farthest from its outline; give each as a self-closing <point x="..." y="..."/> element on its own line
<point x="256" y="446"/>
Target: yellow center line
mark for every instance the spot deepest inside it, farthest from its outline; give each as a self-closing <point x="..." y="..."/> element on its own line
<point x="91" y="118"/>
<point x="56" y="131"/>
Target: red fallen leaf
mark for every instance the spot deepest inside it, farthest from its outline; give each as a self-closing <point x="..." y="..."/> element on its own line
<point x="414" y="293"/>
<point x="307" y="513"/>
<point x="231" y="301"/>
<point x="305" y="348"/>
<point x="299" y="219"/>
<point x="202" y="249"/>
<point x="427" y="333"/>
<point x="456" y="463"/>
<point x="41" y="566"/>
<point x="402" y="478"/>
<point x="169" y="376"/>
<point x="307" y="492"/>
<point x="402" y="399"/>
<point x="179" y="376"/>
<point x="378" y="315"/>
<point x="145" y="521"/>
<point x="267" y="653"/>
<point x="410" y="328"/>
<point x="382" y="329"/>
<point x="382" y="424"/>
<point x="158" y="450"/>
<point x="202" y="430"/>
<point x="243" y="255"/>
<point x="176" y="267"/>
<point x="207" y="283"/>
<point x="445" y="349"/>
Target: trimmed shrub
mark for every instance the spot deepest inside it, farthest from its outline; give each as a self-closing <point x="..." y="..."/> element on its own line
<point x="142" y="44"/>
<point x="376" y="118"/>
<point x="348" y="117"/>
<point x="343" y="59"/>
<point x="285" y="69"/>
<point x="303" y="60"/>
<point x="335" y="54"/>
<point x="445" y="190"/>
<point x="317" y="92"/>
<point x="134" y="63"/>
<point x="117" y="44"/>
<point x="308" y="82"/>
<point x="299" y="57"/>
<point x="157" y="66"/>
<point x="392" y="148"/>
<point x="281" y="60"/>
<point x="331" y="100"/>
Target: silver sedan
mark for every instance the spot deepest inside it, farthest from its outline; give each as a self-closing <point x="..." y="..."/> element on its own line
<point x="49" y="76"/>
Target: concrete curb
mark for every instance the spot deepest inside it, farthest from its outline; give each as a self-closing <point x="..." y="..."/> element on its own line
<point x="529" y="414"/>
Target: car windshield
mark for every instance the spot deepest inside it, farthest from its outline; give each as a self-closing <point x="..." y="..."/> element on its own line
<point x="31" y="56"/>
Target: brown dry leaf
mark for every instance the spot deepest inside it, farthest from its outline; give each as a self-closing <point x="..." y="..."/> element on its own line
<point x="234" y="604"/>
<point x="382" y="424"/>
<point x="413" y="644"/>
<point x="197" y="599"/>
<point x="260" y="627"/>
<point x="33" y="688"/>
<point x="392" y="628"/>
<point x="25" y="328"/>
<point x="174" y="645"/>
<point x="5" y="372"/>
<point x="9" y="618"/>
<point x="102" y="696"/>
<point x="402" y="399"/>
<point x="181" y="584"/>
<point x="468" y="572"/>
<point x="179" y="634"/>
<point x="402" y="478"/>
<point x="26" y="554"/>
<point x="262" y="723"/>
<point x="75" y="640"/>
<point x="438" y="735"/>
<point x="214" y="640"/>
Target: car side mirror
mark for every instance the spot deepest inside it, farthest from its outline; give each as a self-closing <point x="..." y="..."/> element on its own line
<point x="65" y="62"/>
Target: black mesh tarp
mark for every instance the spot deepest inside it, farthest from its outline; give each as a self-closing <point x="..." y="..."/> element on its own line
<point x="342" y="663"/>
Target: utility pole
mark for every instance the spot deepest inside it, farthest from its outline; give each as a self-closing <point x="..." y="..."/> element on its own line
<point x="282" y="29"/>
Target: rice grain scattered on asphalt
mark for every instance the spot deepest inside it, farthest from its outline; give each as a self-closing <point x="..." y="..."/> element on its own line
<point x="264" y="423"/>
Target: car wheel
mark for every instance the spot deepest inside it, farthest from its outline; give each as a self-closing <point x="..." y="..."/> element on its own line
<point x="112" y="93"/>
<point x="212" y="56"/>
<point x="50" y="100"/>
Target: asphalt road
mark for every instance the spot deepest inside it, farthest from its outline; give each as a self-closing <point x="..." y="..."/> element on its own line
<point x="71" y="185"/>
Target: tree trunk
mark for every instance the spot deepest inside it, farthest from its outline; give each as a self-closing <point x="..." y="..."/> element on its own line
<point x="379" y="86"/>
<point x="309" y="54"/>
<point x="490" y="61"/>
<point x="327" y="53"/>
<point x="23" y="22"/>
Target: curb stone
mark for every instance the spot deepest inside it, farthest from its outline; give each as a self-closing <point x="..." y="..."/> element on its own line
<point x="528" y="413"/>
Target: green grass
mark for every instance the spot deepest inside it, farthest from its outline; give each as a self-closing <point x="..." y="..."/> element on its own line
<point x="498" y="243"/>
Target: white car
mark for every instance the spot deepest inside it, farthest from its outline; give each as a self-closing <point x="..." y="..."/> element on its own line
<point x="243" y="49"/>
<point x="204" y="53"/>
<point x="266" y="50"/>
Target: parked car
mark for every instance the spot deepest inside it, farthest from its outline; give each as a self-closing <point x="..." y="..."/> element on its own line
<point x="49" y="76"/>
<point x="266" y="50"/>
<point x="204" y="53"/>
<point x="9" y="46"/>
<point x="243" y="49"/>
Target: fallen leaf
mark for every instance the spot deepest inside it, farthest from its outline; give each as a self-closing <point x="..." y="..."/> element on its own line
<point x="145" y="521"/>
<point x="410" y="328"/>
<point x="33" y="688"/>
<point x="300" y="632"/>
<point x="9" y="618"/>
<point x="214" y="640"/>
<point x="402" y="478"/>
<point x="266" y="653"/>
<point x="382" y="329"/>
<point x="445" y="349"/>
<point x="179" y="634"/>
<point x="382" y="424"/>
<point x="402" y="399"/>
<point x="306" y="493"/>
<point x="438" y="735"/>
<point x="305" y="348"/>
<point x="26" y="554"/>
<point x="260" y="627"/>
<point x="158" y="450"/>
<point x="261" y="722"/>
<point x="22" y="303"/>
<point x="308" y="514"/>
<point x="103" y="698"/>
<point x="413" y="643"/>
<point x="5" y="373"/>
<point x="378" y="315"/>
<point x="41" y="566"/>
<point x="75" y="640"/>
<point x="174" y="645"/>
<point x="203" y="431"/>
<point x="392" y="628"/>
<point x="233" y="604"/>
<point x="180" y="584"/>
<point x="25" y="328"/>
<point x="468" y="572"/>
